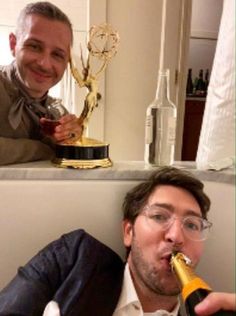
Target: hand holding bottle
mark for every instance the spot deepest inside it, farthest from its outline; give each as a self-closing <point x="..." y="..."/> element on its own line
<point x="195" y="291"/>
<point x="216" y="301"/>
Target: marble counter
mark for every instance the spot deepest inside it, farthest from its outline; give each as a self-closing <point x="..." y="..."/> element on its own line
<point x="121" y="170"/>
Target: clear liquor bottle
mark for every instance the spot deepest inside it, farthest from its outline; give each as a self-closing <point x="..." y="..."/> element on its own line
<point x="160" y="127"/>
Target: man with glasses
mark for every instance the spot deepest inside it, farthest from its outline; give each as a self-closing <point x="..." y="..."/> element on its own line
<point x="164" y="214"/>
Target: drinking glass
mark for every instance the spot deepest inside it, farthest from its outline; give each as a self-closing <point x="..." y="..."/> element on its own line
<point x="55" y="111"/>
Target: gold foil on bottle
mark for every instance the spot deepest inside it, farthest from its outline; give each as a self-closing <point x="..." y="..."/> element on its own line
<point x="190" y="282"/>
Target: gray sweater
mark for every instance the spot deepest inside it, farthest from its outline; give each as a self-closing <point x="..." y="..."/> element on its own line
<point x="23" y="142"/>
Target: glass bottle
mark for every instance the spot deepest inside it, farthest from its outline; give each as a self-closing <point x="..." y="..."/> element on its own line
<point x="160" y="127"/>
<point x="195" y="86"/>
<point x="206" y="79"/>
<point x="189" y="87"/>
<point x="200" y="89"/>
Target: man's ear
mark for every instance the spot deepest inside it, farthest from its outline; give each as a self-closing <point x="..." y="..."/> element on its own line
<point x="12" y="43"/>
<point x="127" y="232"/>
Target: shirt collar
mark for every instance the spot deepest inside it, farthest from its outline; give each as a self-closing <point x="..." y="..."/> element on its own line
<point x="129" y="296"/>
<point x="128" y="292"/>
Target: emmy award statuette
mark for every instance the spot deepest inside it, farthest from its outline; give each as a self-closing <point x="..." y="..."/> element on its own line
<point x="84" y="152"/>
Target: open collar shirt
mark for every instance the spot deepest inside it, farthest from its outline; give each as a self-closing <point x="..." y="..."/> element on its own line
<point x="129" y="303"/>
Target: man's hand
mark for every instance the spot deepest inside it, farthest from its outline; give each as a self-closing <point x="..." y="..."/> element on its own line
<point x="216" y="301"/>
<point x="67" y="127"/>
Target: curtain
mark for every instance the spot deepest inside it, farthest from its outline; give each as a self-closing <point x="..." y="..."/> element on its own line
<point x="216" y="149"/>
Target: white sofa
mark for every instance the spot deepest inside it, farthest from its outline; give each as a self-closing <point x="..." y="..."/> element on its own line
<point x="39" y="203"/>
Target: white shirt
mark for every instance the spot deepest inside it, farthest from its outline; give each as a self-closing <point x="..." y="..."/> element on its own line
<point x="52" y="309"/>
<point x="129" y="304"/>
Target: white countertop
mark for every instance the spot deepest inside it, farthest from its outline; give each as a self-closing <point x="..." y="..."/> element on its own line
<point x="121" y="170"/>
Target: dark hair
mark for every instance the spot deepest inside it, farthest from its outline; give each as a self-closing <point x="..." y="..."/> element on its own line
<point x="137" y="197"/>
<point x="45" y="9"/>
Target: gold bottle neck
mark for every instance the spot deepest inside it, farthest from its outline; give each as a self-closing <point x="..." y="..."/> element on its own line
<point x="189" y="281"/>
<point x="181" y="266"/>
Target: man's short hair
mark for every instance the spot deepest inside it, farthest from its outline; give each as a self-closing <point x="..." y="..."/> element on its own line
<point x="45" y="9"/>
<point x="137" y="197"/>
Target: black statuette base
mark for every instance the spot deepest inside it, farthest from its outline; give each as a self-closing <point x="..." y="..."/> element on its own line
<point x="80" y="152"/>
<point x="82" y="155"/>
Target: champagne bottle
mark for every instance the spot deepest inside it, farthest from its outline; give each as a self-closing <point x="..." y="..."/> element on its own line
<point x="195" y="86"/>
<point x="206" y="79"/>
<point x="189" y="87"/>
<point x="200" y="89"/>
<point x="160" y="127"/>
<point x="194" y="289"/>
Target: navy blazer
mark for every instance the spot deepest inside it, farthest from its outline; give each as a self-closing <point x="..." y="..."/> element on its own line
<point x="80" y="273"/>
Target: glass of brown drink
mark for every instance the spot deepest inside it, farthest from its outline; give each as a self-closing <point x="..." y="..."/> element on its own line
<point x="51" y="120"/>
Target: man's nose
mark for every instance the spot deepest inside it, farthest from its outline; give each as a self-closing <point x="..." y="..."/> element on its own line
<point x="44" y="60"/>
<point x="174" y="233"/>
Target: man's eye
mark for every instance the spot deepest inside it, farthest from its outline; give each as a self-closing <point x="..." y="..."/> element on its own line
<point x="59" y="56"/>
<point x="34" y="47"/>
<point x="159" y="217"/>
<point x="193" y="225"/>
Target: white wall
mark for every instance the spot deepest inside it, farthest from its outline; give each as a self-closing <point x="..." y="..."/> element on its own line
<point x="77" y="10"/>
<point x="132" y="75"/>
<point x="206" y="16"/>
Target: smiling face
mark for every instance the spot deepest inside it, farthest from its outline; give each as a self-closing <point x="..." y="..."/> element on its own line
<point x="42" y="51"/>
<point x="150" y="250"/>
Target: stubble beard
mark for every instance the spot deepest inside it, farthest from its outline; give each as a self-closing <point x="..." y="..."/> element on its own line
<point x="149" y="275"/>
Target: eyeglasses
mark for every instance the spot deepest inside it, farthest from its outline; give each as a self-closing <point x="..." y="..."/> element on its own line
<point x="194" y="227"/>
